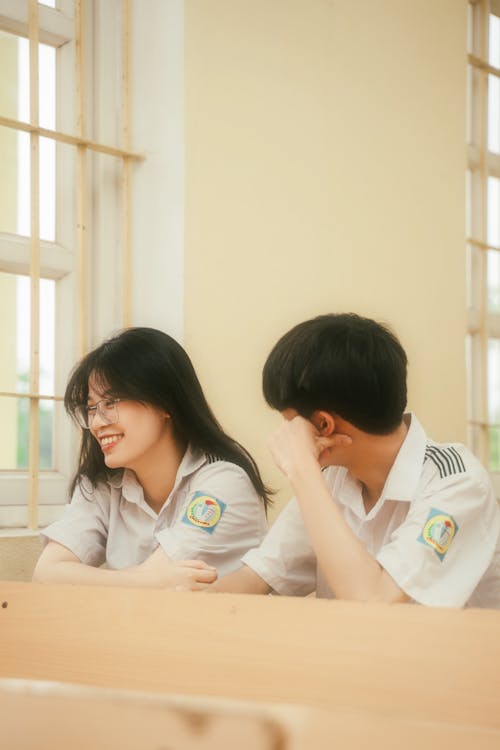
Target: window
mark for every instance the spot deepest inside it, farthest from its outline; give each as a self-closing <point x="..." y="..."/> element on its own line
<point x="483" y="232"/>
<point x="65" y="197"/>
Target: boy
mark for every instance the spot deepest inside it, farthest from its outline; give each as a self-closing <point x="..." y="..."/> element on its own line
<point x="381" y="513"/>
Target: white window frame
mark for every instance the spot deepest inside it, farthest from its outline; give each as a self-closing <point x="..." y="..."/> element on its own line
<point x="102" y="307"/>
<point x="482" y="324"/>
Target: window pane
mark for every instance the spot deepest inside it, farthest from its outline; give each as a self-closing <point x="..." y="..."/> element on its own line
<point x="46" y="428"/>
<point x="494" y="114"/>
<point x="47" y="336"/>
<point x="15" y="190"/>
<point x="50" y="3"/>
<point x="15" y="312"/>
<point x="473" y="363"/>
<point x="494" y="449"/>
<point x="14" y="81"/>
<point x="493" y="225"/>
<point x="14" y="435"/>
<point x="47" y="188"/>
<point x="494" y="381"/>
<point x="493" y="281"/>
<point x="47" y="86"/>
<point x="470" y="29"/>
<point x="468" y="203"/>
<point x="47" y="217"/>
<point x="494" y="41"/>
<point x="470" y="99"/>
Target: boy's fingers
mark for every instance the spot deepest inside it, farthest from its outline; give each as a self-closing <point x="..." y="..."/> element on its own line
<point x="191" y="585"/>
<point x="204" y="576"/>
<point x="333" y="441"/>
<point x="194" y="564"/>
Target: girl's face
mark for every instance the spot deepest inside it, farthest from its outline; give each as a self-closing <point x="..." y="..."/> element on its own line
<point x="137" y="438"/>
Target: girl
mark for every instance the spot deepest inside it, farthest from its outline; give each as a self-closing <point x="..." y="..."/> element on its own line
<point x="159" y="486"/>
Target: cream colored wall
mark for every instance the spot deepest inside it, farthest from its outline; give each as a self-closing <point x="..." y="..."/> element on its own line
<point x="324" y="147"/>
<point x="324" y="172"/>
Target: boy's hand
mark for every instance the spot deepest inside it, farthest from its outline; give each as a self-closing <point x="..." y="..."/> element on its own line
<point x="159" y="571"/>
<point x="298" y="445"/>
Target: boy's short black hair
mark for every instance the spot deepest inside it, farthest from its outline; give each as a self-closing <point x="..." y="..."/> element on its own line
<point x="341" y="363"/>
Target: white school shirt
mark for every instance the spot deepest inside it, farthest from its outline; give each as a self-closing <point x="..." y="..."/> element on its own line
<point x="213" y="514"/>
<point x="435" y="529"/>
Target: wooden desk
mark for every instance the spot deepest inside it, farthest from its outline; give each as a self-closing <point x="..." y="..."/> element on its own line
<point x="403" y="666"/>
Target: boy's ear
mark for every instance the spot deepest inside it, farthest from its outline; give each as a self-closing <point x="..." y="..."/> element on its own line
<point x="324" y="423"/>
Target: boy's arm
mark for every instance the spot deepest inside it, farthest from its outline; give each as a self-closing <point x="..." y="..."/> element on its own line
<point x="242" y="581"/>
<point x="349" y="569"/>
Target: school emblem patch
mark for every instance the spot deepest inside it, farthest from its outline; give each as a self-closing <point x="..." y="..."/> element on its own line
<point x="204" y="511"/>
<point x="438" y="532"/>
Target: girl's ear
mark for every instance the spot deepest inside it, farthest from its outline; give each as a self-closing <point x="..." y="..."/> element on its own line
<point x="324" y="423"/>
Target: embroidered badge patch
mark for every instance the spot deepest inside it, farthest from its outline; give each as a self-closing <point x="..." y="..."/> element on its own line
<point x="204" y="511"/>
<point x="438" y="532"/>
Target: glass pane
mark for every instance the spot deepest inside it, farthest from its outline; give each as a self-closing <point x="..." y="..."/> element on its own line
<point x="494" y="381"/>
<point x="494" y="41"/>
<point x="14" y="81"/>
<point x="50" y="3"/>
<point x="494" y="114"/>
<point x="493" y="261"/>
<point x="493" y="225"/>
<point x="494" y="449"/>
<point x="468" y="119"/>
<point x="46" y="450"/>
<point x="14" y="435"/>
<point x="473" y="275"/>
<point x="18" y="51"/>
<point x="23" y="433"/>
<point x="47" y="336"/>
<point x="15" y="191"/>
<point x="473" y="364"/>
<point x="14" y="440"/>
<point x="470" y="29"/>
<point x="47" y="86"/>
<point x="15" y="210"/>
<point x="15" y="307"/>
<point x="47" y="189"/>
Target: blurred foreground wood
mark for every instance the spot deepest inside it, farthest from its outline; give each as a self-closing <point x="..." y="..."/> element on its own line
<point x="288" y="672"/>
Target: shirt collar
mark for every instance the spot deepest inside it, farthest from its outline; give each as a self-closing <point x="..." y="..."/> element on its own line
<point x="404" y="475"/>
<point x="131" y="489"/>
<point x="403" y="478"/>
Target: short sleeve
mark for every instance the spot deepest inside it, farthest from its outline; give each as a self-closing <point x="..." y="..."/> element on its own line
<point x="220" y="517"/>
<point x="447" y="542"/>
<point x="285" y="560"/>
<point x="83" y="527"/>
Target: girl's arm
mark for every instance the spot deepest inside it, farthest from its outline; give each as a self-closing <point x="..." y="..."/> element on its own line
<point x="57" y="564"/>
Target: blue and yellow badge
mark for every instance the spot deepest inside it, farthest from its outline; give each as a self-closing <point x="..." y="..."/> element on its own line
<point x="438" y="532"/>
<point x="204" y="511"/>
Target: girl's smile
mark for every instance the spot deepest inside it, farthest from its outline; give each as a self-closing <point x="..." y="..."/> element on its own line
<point x="108" y="441"/>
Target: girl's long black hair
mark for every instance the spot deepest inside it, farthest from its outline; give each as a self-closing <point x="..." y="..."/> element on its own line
<point x="147" y="365"/>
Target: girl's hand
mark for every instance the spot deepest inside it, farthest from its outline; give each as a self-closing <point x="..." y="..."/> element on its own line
<point x="193" y="575"/>
<point x="159" y="571"/>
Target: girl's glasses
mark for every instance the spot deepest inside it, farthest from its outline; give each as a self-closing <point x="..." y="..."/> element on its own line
<point x="107" y="409"/>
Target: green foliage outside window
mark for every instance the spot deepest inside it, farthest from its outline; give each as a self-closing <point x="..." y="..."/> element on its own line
<point x="46" y="430"/>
